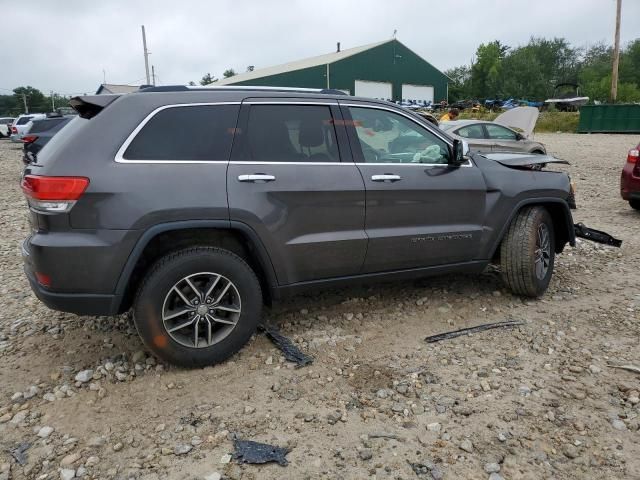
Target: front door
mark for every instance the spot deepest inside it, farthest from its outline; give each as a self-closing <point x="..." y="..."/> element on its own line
<point x="293" y="181"/>
<point x="419" y="210"/>
<point x="502" y="139"/>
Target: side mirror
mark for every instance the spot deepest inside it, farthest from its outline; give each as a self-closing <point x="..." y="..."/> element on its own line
<point x="460" y="152"/>
<point x="519" y="136"/>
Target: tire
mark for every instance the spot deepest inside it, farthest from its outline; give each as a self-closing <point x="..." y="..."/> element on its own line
<point x="521" y="247"/>
<point x="170" y="284"/>
<point x="635" y="204"/>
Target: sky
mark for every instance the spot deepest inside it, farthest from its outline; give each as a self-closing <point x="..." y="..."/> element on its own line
<point x="68" y="46"/>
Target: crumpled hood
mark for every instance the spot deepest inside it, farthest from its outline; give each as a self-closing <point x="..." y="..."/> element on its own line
<point x="520" y="118"/>
<point x="519" y="160"/>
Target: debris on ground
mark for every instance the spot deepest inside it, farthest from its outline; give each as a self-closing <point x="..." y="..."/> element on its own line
<point x="247" y="451"/>
<point x="427" y="470"/>
<point x="597" y="236"/>
<point x="478" y="328"/>
<point x="629" y="368"/>
<point x="287" y="347"/>
<point x="20" y="453"/>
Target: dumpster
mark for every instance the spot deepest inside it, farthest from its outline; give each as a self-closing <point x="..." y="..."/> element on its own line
<point x="609" y="118"/>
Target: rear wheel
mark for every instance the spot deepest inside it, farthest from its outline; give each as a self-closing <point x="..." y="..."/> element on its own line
<point x="635" y="204"/>
<point x="199" y="306"/>
<point x="528" y="252"/>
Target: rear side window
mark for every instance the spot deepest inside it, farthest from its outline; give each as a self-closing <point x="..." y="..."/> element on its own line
<point x="202" y="132"/>
<point x="472" y="131"/>
<point x="291" y="133"/>
<point x="23" y="120"/>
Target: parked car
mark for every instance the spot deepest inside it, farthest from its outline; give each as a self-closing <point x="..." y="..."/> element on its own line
<point x="630" y="179"/>
<point x="501" y="134"/>
<point x="193" y="206"/>
<point x="5" y="126"/>
<point x="20" y="124"/>
<point x="38" y="133"/>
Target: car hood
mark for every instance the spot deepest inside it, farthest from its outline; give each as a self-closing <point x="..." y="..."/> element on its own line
<point x="520" y="160"/>
<point x="521" y="118"/>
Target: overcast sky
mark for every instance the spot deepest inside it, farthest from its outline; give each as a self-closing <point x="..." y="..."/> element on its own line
<point x="64" y="46"/>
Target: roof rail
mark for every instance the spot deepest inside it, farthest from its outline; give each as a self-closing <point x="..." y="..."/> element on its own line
<point x="184" y="88"/>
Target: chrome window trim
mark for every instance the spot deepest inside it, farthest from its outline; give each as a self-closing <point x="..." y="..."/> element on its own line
<point x="387" y="164"/>
<point x="119" y="158"/>
<point x="291" y="102"/>
<point x="251" y="162"/>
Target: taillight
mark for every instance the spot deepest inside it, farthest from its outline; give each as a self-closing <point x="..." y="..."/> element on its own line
<point x="14" y="130"/>
<point x="53" y="194"/>
<point x="29" y="138"/>
<point x="633" y="156"/>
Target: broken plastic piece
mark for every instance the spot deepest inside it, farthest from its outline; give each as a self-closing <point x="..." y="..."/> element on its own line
<point x="597" y="236"/>
<point x="465" y="331"/>
<point x="629" y="368"/>
<point x="20" y="452"/>
<point x="286" y="346"/>
<point x="247" y="451"/>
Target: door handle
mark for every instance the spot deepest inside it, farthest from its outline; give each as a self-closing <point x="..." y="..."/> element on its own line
<point x="256" y="177"/>
<point x="387" y="177"/>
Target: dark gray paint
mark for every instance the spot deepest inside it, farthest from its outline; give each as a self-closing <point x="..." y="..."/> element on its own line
<point x="314" y="225"/>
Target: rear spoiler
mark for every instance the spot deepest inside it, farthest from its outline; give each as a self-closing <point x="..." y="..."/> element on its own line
<point x="88" y="106"/>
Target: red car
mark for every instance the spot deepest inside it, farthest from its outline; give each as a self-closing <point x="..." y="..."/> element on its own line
<point x="630" y="179"/>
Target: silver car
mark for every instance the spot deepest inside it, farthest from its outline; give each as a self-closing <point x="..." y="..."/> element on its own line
<point x="511" y="131"/>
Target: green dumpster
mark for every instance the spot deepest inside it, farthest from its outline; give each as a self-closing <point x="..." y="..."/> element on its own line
<point x="614" y="118"/>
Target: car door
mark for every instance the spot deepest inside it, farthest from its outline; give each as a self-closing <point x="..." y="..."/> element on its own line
<point x="420" y="211"/>
<point x="293" y="181"/>
<point x="503" y="139"/>
<point x="475" y="135"/>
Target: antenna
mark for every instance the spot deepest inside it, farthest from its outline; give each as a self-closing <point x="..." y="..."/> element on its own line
<point x="394" y="34"/>
<point x="146" y="55"/>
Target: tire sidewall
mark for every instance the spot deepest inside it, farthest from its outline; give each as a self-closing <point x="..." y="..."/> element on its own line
<point x="150" y="300"/>
<point x="542" y="216"/>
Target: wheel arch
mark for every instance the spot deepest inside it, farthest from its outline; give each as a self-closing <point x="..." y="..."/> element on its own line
<point x="560" y="215"/>
<point x="162" y="239"/>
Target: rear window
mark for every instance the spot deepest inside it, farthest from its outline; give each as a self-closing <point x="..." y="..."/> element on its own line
<point x="186" y="133"/>
<point x="44" y="125"/>
<point x="23" y="120"/>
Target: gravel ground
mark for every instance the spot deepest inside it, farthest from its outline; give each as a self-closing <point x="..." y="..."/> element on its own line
<point x="538" y="401"/>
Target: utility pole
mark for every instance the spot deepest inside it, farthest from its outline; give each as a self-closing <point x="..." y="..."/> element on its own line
<point x="53" y="102"/>
<point x="616" y="55"/>
<point x="153" y="75"/>
<point x="24" y="99"/>
<point x="146" y="55"/>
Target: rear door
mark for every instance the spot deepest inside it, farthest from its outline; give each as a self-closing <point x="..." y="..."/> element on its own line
<point x="420" y="212"/>
<point x="475" y="135"/>
<point x="293" y="181"/>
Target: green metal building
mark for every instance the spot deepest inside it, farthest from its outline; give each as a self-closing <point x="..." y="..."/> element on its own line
<point x="387" y="70"/>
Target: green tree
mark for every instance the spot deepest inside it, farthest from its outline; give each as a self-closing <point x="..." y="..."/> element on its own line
<point x="208" y="79"/>
<point x="460" y="84"/>
<point x="35" y="99"/>
<point x="230" y="72"/>
<point x="486" y="71"/>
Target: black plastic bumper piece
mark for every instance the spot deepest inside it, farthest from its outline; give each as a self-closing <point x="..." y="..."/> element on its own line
<point x="597" y="236"/>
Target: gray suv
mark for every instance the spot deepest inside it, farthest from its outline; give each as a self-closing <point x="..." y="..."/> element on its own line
<point x="195" y="206"/>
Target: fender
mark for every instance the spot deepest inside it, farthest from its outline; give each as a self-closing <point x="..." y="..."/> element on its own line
<point x="568" y="219"/>
<point x="149" y="234"/>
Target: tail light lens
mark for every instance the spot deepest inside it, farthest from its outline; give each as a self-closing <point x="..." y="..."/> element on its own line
<point x="633" y="156"/>
<point x="14" y="130"/>
<point x="29" y="138"/>
<point x="53" y="194"/>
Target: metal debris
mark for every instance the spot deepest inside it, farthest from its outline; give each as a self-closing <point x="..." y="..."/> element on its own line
<point x="478" y="328"/>
<point x="630" y="368"/>
<point x="20" y="452"/>
<point x="597" y="236"/>
<point x="247" y="451"/>
<point x="287" y="347"/>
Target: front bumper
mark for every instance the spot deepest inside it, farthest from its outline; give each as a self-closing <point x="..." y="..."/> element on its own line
<point x="78" y="303"/>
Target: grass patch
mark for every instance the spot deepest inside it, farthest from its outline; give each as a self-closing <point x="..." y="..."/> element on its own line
<point x="547" y="121"/>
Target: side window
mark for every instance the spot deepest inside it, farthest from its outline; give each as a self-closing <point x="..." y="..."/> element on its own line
<point x="472" y="131"/>
<point x="496" y="132"/>
<point x="202" y="132"/>
<point x="291" y="133"/>
<point x="387" y="137"/>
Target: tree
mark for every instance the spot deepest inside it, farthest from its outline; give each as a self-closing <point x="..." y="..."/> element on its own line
<point x="230" y="72"/>
<point x="192" y="83"/>
<point x="485" y="72"/>
<point x="36" y="101"/>
<point x="208" y="79"/>
<point x="460" y="85"/>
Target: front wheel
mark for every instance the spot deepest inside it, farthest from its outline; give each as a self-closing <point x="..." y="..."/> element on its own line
<point x="197" y="307"/>
<point x="527" y="252"/>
